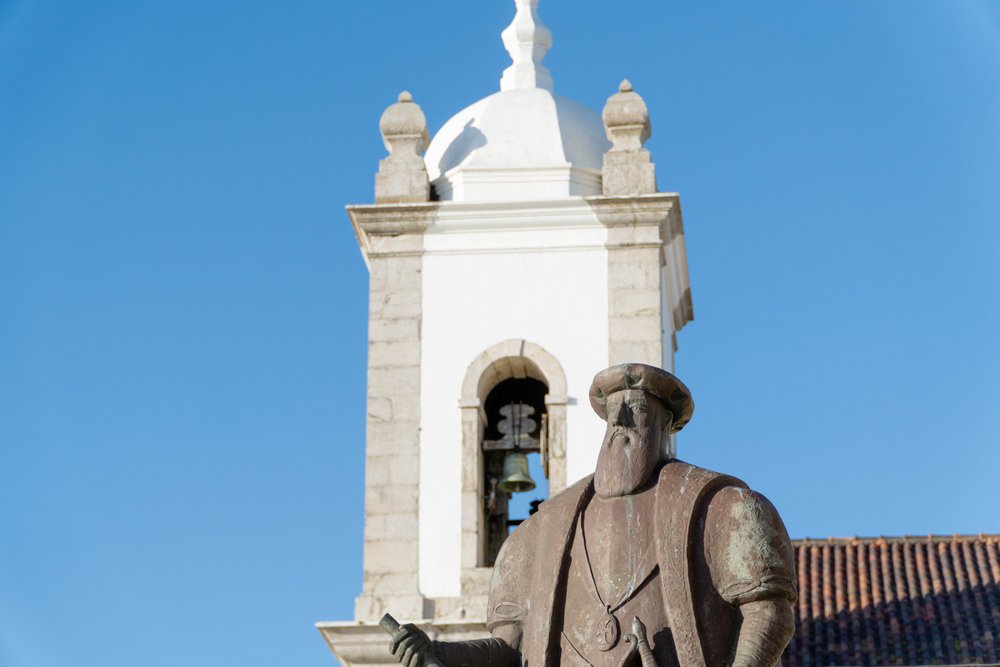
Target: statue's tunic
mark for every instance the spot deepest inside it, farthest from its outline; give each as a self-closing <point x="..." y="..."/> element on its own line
<point x="584" y="618"/>
<point x="718" y="545"/>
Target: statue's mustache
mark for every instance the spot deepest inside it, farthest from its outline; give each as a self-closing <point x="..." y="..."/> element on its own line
<point x="620" y="432"/>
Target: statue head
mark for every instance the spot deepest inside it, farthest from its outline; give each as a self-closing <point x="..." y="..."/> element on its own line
<point x="642" y="405"/>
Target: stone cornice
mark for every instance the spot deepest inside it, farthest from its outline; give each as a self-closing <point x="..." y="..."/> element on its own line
<point x="390" y="229"/>
<point x="662" y="209"/>
<point x="508" y="215"/>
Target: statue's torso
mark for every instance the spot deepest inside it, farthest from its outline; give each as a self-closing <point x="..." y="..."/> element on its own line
<point x="617" y="539"/>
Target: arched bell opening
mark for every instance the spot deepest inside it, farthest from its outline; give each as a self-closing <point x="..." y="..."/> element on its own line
<point x="509" y="371"/>
<point x="515" y="451"/>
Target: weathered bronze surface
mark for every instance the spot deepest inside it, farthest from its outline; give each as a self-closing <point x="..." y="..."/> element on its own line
<point x="649" y="561"/>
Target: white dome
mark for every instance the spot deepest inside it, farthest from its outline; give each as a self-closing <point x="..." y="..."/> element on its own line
<point x="517" y="144"/>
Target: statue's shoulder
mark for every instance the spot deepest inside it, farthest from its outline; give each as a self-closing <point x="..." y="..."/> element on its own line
<point x="686" y="479"/>
<point x="567" y="500"/>
<point x="562" y="506"/>
<point x="553" y="514"/>
<point x="537" y="545"/>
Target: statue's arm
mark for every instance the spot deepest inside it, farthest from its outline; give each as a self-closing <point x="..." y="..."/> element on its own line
<point x="500" y="650"/>
<point x="410" y="646"/>
<point x="764" y="633"/>
<point x="752" y="566"/>
<point x="504" y="618"/>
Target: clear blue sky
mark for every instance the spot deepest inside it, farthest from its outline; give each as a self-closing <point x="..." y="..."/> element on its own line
<point x="183" y="304"/>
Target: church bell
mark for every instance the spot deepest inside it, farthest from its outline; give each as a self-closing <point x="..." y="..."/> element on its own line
<point x="516" y="477"/>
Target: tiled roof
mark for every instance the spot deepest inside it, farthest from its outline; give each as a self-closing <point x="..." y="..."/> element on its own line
<point x="897" y="601"/>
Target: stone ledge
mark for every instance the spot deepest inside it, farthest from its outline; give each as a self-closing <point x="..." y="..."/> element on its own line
<point x="391" y="229"/>
<point x="357" y="643"/>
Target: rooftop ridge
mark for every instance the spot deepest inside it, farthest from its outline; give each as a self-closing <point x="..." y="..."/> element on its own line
<point x="913" y="539"/>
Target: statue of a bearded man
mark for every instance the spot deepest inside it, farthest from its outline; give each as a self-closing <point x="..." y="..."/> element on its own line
<point x="650" y="561"/>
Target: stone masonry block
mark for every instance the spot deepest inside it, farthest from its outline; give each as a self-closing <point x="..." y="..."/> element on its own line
<point x="395" y="274"/>
<point x="407" y="296"/>
<point x="392" y="382"/>
<point x="394" y="245"/>
<point x="399" y="305"/>
<point x="476" y="581"/>
<point x="390" y="556"/>
<point x="392" y="438"/>
<point x="635" y="351"/>
<point x="625" y="178"/>
<point x="384" y="330"/>
<point x="369" y="608"/>
<point x="406" y="407"/>
<point x="470" y="549"/>
<point x="380" y="409"/>
<point x="635" y="328"/>
<point x="404" y="468"/>
<point x="636" y="234"/>
<point x="401" y="526"/>
<point x="634" y="256"/>
<point x="632" y="276"/>
<point x="460" y="611"/>
<point x="389" y="355"/>
<point x="635" y="302"/>
<point x="396" y="183"/>
<point x="376" y="475"/>
<point x="394" y="468"/>
<point x="386" y="582"/>
<point x="375" y="527"/>
<point x="471" y="513"/>
<point x="391" y="499"/>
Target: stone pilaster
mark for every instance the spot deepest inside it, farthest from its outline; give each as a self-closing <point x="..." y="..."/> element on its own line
<point x="643" y="277"/>
<point x="392" y="240"/>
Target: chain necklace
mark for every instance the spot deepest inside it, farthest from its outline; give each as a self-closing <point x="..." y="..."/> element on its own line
<point x="608" y="630"/>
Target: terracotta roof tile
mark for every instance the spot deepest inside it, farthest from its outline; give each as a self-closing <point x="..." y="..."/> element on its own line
<point x="897" y="601"/>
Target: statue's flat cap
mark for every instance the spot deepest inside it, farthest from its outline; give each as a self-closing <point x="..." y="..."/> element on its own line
<point x="650" y="379"/>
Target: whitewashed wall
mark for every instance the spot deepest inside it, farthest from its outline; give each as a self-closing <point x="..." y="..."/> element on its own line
<point x="538" y="273"/>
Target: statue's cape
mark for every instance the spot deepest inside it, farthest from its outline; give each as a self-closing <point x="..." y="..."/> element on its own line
<point x="529" y="577"/>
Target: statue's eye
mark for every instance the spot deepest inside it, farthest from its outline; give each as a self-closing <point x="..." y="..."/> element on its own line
<point x="639" y="407"/>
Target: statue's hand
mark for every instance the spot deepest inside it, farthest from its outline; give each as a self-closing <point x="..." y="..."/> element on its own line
<point x="410" y="645"/>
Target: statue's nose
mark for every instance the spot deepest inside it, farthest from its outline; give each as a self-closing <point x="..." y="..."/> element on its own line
<point x="623" y="416"/>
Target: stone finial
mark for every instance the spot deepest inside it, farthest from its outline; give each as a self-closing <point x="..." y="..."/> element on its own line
<point x="402" y="176"/>
<point x="526" y="39"/>
<point x="628" y="169"/>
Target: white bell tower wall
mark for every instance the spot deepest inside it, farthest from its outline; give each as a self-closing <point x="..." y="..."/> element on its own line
<point x="532" y="271"/>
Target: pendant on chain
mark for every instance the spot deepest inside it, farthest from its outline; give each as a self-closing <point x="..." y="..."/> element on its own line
<point x="608" y="631"/>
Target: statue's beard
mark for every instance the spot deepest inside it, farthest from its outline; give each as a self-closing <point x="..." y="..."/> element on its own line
<point x="626" y="462"/>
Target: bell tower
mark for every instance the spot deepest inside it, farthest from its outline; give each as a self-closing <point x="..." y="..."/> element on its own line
<point x="522" y="249"/>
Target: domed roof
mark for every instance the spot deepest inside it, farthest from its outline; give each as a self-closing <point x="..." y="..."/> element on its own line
<point x="523" y="142"/>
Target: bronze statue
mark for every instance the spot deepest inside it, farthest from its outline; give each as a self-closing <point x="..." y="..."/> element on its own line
<point x="650" y="561"/>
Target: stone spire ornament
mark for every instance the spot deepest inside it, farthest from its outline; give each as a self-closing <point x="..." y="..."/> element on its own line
<point x="402" y="176"/>
<point x="628" y="169"/>
<point x="527" y="40"/>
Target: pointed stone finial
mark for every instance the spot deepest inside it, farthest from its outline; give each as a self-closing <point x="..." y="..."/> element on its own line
<point x="526" y="40"/>
<point x="628" y="169"/>
<point x="402" y="176"/>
